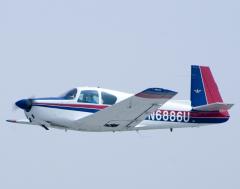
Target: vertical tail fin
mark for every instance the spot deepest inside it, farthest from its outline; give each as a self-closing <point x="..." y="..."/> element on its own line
<point x="204" y="89"/>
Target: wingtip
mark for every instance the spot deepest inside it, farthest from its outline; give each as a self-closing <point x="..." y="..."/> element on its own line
<point x="159" y="90"/>
<point x="230" y="106"/>
<point x="156" y="93"/>
<point x="11" y="121"/>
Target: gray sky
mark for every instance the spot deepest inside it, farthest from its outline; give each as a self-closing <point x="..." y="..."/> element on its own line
<point x="50" y="46"/>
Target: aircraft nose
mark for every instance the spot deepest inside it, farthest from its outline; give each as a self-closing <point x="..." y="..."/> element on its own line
<point x="25" y="104"/>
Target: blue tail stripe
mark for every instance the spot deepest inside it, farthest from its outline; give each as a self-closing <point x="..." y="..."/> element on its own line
<point x="198" y="95"/>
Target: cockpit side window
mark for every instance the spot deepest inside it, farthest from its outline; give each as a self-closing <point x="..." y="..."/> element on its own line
<point x="108" y="98"/>
<point x="70" y="95"/>
<point x="89" y="96"/>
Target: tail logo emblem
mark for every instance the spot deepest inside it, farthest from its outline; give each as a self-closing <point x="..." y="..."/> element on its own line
<point x="197" y="91"/>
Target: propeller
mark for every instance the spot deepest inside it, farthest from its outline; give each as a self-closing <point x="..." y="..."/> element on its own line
<point x="14" y="107"/>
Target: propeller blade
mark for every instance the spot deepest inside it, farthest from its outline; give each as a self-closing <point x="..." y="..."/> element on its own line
<point x="14" y="108"/>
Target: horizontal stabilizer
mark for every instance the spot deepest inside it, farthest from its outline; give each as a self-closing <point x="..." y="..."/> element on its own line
<point x="218" y="106"/>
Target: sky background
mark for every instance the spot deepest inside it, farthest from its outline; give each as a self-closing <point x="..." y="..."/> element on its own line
<point x="50" y="46"/>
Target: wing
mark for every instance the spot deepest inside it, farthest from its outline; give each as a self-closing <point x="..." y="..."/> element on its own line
<point x="23" y="121"/>
<point x="127" y="113"/>
<point x="27" y="122"/>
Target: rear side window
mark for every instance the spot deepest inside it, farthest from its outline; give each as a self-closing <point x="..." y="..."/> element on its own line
<point x="108" y="98"/>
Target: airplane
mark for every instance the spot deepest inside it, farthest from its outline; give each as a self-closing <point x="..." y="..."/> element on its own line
<point x="95" y="109"/>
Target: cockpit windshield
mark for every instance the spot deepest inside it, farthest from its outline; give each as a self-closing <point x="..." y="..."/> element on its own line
<point x="70" y="95"/>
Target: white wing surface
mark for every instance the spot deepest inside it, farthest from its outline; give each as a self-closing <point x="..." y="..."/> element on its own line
<point x="127" y="113"/>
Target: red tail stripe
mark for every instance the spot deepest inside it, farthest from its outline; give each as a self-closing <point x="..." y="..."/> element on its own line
<point x="211" y="89"/>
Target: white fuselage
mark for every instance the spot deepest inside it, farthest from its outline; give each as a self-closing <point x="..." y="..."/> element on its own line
<point x="63" y="114"/>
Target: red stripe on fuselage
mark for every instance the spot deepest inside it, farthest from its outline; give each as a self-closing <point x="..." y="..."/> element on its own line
<point x="209" y="114"/>
<point x="74" y="105"/>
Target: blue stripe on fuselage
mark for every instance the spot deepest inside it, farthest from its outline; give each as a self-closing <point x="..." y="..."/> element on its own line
<point x="209" y="120"/>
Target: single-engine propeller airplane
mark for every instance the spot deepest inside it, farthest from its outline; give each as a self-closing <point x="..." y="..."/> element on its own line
<point x="97" y="109"/>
